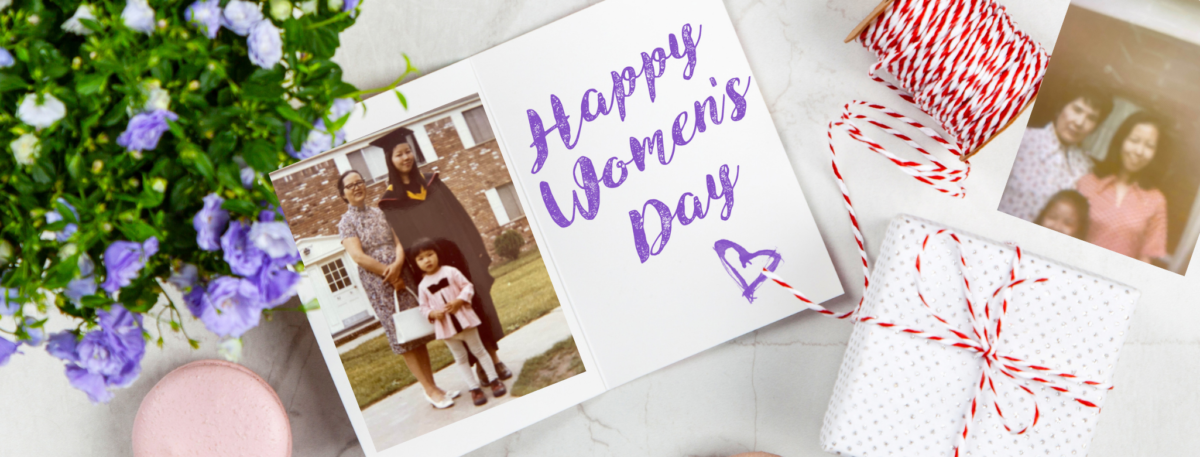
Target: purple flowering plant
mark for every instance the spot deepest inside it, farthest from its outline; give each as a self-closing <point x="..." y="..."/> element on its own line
<point x="137" y="164"/>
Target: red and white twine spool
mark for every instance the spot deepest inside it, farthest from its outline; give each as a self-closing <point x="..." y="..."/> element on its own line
<point x="962" y="62"/>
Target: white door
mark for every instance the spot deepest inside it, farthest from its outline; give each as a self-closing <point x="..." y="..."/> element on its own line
<point x="349" y="299"/>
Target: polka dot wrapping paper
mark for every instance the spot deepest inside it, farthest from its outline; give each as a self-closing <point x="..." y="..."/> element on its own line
<point x="901" y="394"/>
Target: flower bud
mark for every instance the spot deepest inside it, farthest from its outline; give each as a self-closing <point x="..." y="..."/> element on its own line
<point x="137" y="154"/>
<point x="281" y="10"/>
<point x="194" y="85"/>
<point x="67" y="251"/>
<point x="76" y="62"/>
<point x="97" y="166"/>
<point x="106" y="227"/>
<point x="7" y="253"/>
<point x="34" y="19"/>
<point x="158" y="185"/>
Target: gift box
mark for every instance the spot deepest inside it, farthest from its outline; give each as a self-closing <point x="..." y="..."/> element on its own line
<point x="1025" y="377"/>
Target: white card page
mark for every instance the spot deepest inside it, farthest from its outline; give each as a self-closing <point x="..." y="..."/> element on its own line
<point x="639" y="316"/>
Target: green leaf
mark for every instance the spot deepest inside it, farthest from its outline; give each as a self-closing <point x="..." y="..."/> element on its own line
<point x="261" y="155"/>
<point x="91" y="84"/>
<point x="229" y="175"/>
<point x="222" y="144"/>
<point x="400" y="96"/>
<point x="290" y="114"/>
<point x="67" y="215"/>
<point x="74" y="165"/>
<point x="95" y="301"/>
<point x="10" y="81"/>
<point x="138" y="231"/>
<point x="241" y="207"/>
<point x="198" y="160"/>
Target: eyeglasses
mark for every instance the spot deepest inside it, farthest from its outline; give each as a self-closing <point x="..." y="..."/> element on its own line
<point x="355" y="185"/>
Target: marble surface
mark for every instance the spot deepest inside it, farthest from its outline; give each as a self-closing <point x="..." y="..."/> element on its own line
<point x="764" y="391"/>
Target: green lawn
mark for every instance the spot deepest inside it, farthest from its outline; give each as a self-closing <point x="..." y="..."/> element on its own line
<point x="558" y="363"/>
<point x="522" y="292"/>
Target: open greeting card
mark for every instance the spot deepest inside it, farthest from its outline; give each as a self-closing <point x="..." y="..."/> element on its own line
<point x="561" y="214"/>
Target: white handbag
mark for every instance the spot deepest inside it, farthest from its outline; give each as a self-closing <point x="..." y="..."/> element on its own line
<point x="410" y="324"/>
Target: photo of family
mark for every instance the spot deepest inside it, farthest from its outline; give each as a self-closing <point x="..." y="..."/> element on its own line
<point x="418" y="254"/>
<point x="1111" y="154"/>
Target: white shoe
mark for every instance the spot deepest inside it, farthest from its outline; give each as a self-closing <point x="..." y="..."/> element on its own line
<point x="452" y="394"/>
<point x="446" y="402"/>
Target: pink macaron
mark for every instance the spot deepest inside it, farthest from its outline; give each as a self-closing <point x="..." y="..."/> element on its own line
<point x="212" y="408"/>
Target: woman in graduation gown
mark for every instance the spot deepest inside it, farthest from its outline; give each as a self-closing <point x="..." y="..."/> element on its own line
<point x="421" y="206"/>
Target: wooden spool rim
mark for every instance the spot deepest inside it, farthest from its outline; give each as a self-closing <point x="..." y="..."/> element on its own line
<point x="879" y="9"/>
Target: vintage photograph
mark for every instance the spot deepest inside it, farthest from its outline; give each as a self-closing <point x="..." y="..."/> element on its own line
<point x="418" y="254"/>
<point x="1110" y="153"/>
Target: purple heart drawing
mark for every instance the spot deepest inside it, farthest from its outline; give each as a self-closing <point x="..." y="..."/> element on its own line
<point x="745" y="258"/>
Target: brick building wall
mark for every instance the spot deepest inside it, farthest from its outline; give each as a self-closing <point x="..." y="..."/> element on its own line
<point x="313" y="208"/>
<point x="469" y="173"/>
<point x="311" y="203"/>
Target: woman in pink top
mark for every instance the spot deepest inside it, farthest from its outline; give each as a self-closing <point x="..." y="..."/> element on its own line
<point x="1128" y="213"/>
<point x="445" y="299"/>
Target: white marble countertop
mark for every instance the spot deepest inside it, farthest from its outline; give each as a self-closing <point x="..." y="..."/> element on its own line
<point x="764" y="391"/>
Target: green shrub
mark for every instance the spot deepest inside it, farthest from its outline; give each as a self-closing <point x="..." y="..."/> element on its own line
<point x="508" y="244"/>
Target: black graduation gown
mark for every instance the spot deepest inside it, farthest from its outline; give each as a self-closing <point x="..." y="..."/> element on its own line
<point x="441" y="217"/>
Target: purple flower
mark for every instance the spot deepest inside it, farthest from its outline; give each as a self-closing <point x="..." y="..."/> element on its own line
<point x="240" y="16"/>
<point x="348" y="5"/>
<point x="6" y="58"/>
<point x="247" y="174"/>
<point x="116" y="350"/>
<point x="138" y="16"/>
<point x="145" y="129"/>
<point x="232" y="306"/>
<point x="264" y="45"/>
<point x="243" y="257"/>
<point x="341" y="107"/>
<point x="205" y="15"/>
<point x="7" y="349"/>
<point x="287" y="145"/>
<point x="63" y="345"/>
<point x="209" y="222"/>
<point x="84" y="284"/>
<point x="90" y="383"/>
<point x="70" y="229"/>
<point x="104" y="358"/>
<point x="35" y="335"/>
<point x="268" y="215"/>
<point x="8" y="302"/>
<point x="276" y="284"/>
<point x="185" y="278"/>
<point x="123" y="261"/>
<point x="275" y="239"/>
<point x="319" y="140"/>
<point x="195" y="300"/>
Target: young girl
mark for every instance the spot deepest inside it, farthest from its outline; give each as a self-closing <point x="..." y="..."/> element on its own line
<point x="445" y="299"/>
<point x="1066" y="213"/>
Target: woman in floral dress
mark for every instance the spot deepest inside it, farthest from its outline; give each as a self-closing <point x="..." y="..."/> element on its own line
<point x="380" y="257"/>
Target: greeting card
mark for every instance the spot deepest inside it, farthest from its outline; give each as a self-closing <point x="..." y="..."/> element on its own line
<point x="545" y="221"/>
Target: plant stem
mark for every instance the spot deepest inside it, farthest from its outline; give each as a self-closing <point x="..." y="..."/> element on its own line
<point x="408" y="70"/>
<point x="335" y="18"/>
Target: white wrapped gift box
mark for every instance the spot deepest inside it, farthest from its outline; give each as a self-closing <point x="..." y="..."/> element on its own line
<point x="899" y="394"/>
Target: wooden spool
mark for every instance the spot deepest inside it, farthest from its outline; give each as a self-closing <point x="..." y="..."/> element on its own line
<point x="883" y="6"/>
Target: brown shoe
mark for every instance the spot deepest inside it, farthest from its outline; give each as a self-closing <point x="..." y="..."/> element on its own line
<point x="498" y="389"/>
<point x="503" y="372"/>
<point x="478" y="397"/>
